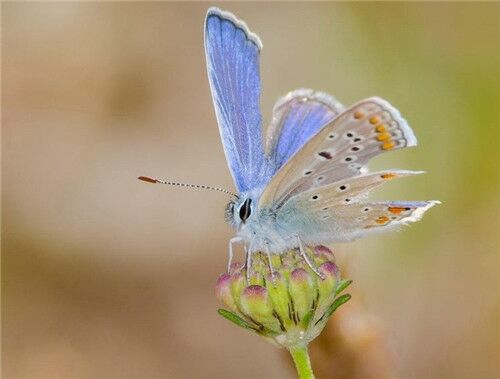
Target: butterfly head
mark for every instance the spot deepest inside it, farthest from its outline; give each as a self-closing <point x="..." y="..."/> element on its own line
<point x="239" y="211"/>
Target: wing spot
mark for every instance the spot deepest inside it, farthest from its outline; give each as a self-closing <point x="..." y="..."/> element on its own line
<point x="325" y="154"/>
<point x="347" y="200"/>
<point x="357" y="139"/>
<point x="366" y="210"/>
<point x="382" y="220"/>
<point x="350" y="158"/>
<point x="332" y="136"/>
<point x="325" y="208"/>
<point x="314" y="197"/>
<point x="358" y="115"/>
<point x="325" y="217"/>
<point x="342" y="187"/>
<point x="388" y="145"/>
<point x="396" y="210"/>
<point x="383" y="137"/>
<point x="380" y="128"/>
<point x="349" y="135"/>
<point x="374" y="120"/>
<point x="388" y="176"/>
<point x="355" y="148"/>
<point x="309" y="172"/>
<point x="319" y="178"/>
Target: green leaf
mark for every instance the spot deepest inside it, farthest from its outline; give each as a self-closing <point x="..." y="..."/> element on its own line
<point x="343" y="284"/>
<point x="337" y="303"/>
<point x="235" y="319"/>
<point x="332" y="308"/>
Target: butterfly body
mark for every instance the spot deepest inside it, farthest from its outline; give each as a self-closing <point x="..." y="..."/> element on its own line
<point x="277" y="229"/>
<point x="307" y="181"/>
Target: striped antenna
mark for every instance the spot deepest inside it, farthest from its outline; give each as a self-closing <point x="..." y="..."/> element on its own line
<point x="197" y="186"/>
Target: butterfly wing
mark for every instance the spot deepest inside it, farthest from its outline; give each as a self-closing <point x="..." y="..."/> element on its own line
<point x="340" y="150"/>
<point x="356" y="220"/>
<point x="232" y="53"/>
<point x="338" y="212"/>
<point x="297" y="117"/>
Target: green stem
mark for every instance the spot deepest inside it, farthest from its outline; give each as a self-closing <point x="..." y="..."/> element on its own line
<point x="302" y="362"/>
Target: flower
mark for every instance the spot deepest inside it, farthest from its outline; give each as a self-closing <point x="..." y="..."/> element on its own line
<point x="288" y="306"/>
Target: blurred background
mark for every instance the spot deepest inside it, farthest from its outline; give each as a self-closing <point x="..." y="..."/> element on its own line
<point x="104" y="276"/>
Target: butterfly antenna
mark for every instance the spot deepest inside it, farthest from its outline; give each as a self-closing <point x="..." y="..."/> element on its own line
<point x="197" y="186"/>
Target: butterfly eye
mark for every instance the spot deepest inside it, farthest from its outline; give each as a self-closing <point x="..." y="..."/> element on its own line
<point x="245" y="210"/>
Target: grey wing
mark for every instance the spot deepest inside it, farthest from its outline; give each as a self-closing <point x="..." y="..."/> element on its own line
<point x="339" y="212"/>
<point x="340" y="149"/>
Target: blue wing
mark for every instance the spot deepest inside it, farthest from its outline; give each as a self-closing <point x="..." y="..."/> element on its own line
<point x="232" y="53"/>
<point x="296" y="118"/>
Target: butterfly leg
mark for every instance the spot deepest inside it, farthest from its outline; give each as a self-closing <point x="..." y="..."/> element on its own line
<point x="230" y="259"/>
<point x="248" y="264"/>
<point x="307" y="259"/>
<point x="271" y="269"/>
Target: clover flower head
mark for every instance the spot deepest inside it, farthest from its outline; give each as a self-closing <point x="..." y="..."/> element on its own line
<point x="289" y="306"/>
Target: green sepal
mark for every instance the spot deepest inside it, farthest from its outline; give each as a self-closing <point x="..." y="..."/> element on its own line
<point x="343" y="284"/>
<point x="337" y="303"/>
<point x="306" y="320"/>
<point x="228" y="315"/>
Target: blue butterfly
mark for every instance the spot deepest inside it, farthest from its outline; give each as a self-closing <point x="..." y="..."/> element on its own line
<point x="306" y="182"/>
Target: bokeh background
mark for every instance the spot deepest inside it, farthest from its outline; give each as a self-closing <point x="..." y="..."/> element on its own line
<point x="104" y="276"/>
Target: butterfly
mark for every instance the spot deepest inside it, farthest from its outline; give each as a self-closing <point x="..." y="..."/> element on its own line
<point x="306" y="182"/>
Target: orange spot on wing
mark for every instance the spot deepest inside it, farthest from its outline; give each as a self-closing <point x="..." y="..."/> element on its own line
<point x="396" y="210"/>
<point x="383" y="137"/>
<point x="374" y="120"/>
<point x="358" y="115"/>
<point x="388" y="176"/>
<point x="380" y="128"/>
<point x="388" y="145"/>
<point x="382" y="220"/>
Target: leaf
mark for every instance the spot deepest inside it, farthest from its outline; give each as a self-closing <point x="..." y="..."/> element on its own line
<point x="332" y="308"/>
<point x="343" y="284"/>
<point x="337" y="303"/>
<point x="235" y="319"/>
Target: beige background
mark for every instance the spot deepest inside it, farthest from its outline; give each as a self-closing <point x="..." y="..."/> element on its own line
<point x="107" y="277"/>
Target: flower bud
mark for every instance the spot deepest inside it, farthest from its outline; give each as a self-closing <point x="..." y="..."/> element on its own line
<point x="290" y="305"/>
<point x="255" y="303"/>
<point x="302" y="293"/>
<point x="223" y="291"/>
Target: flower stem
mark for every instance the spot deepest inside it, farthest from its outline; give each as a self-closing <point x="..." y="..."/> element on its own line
<point x="302" y="362"/>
